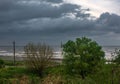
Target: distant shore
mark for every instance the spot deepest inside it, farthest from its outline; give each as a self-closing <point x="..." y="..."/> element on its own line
<point x="11" y="58"/>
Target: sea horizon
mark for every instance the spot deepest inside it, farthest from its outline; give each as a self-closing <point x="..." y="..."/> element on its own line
<point x="8" y="51"/>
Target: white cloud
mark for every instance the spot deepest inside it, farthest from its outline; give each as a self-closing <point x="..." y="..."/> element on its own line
<point x="98" y="6"/>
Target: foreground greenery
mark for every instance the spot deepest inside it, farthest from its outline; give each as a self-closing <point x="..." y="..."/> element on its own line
<point x="56" y="75"/>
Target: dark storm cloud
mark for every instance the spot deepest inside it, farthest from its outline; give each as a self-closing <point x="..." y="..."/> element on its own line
<point x="103" y="25"/>
<point x="65" y="26"/>
<point x="32" y="21"/>
<point x="54" y="1"/>
<point x="15" y="10"/>
<point x="109" y="22"/>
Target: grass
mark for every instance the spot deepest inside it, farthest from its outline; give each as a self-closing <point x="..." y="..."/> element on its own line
<point x="110" y="73"/>
<point x="17" y="75"/>
<point x="11" y="63"/>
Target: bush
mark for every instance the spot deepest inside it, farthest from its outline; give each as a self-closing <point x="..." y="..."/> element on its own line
<point x="83" y="56"/>
<point x="11" y="72"/>
<point x="1" y="63"/>
<point x="38" y="57"/>
<point x="116" y="56"/>
<point x="53" y="79"/>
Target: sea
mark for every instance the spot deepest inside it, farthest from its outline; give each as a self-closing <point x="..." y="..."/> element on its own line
<point x="6" y="52"/>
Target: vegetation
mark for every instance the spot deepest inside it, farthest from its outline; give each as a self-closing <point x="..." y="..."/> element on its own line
<point x="1" y="63"/>
<point x="55" y="75"/>
<point x="17" y="75"/>
<point x="38" y="57"/>
<point x="83" y="56"/>
<point x="11" y="63"/>
<point x="116" y="56"/>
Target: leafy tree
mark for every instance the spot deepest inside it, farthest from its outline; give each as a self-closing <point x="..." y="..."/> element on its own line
<point x="38" y="57"/>
<point x="116" y="56"/>
<point x="82" y="56"/>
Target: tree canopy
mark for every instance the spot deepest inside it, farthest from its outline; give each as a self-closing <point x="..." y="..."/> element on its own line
<point x="116" y="56"/>
<point x="82" y="56"/>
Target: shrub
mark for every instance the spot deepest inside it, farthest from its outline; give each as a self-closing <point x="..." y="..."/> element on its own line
<point x="1" y="63"/>
<point x="38" y="57"/>
<point x="116" y="56"/>
<point x="53" y="79"/>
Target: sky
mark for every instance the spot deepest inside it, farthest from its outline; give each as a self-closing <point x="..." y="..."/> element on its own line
<point x="56" y="21"/>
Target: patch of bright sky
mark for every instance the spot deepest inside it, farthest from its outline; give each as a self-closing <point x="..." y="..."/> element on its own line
<point x="98" y="7"/>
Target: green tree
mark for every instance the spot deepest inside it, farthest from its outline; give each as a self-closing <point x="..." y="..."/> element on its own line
<point x="38" y="57"/>
<point x="82" y="56"/>
<point x="116" y="56"/>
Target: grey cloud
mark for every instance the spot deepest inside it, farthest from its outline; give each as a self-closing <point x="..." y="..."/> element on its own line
<point x="55" y="1"/>
<point x="106" y="23"/>
<point x="45" y="22"/>
<point x="14" y="11"/>
<point x="103" y="25"/>
<point x="109" y="22"/>
<point x="110" y="19"/>
<point x="6" y="5"/>
<point x="65" y="26"/>
<point x="47" y="27"/>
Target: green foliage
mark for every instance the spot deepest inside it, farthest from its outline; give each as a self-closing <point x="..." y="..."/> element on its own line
<point x="1" y="63"/>
<point x="56" y="70"/>
<point x="16" y="75"/>
<point x="11" y="63"/>
<point x="103" y="76"/>
<point x="11" y="72"/>
<point x="38" y="57"/>
<point x="55" y="75"/>
<point x="109" y="74"/>
<point x="82" y="56"/>
<point x="116" y="56"/>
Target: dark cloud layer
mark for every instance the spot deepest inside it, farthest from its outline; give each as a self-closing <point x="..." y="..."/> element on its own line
<point x="54" y="1"/>
<point x="18" y="10"/>
<point x="52" y="21"/>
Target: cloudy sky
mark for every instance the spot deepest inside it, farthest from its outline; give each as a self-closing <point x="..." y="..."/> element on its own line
<point x="53" y="21"/>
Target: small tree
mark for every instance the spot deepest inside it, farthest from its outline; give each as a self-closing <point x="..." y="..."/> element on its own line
<point x="82" y="56"/>
<point x="38" y="57"/>
<point x="116" y="56"/>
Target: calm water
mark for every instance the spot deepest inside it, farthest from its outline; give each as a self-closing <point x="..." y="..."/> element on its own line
<point x="8" y="50"/>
